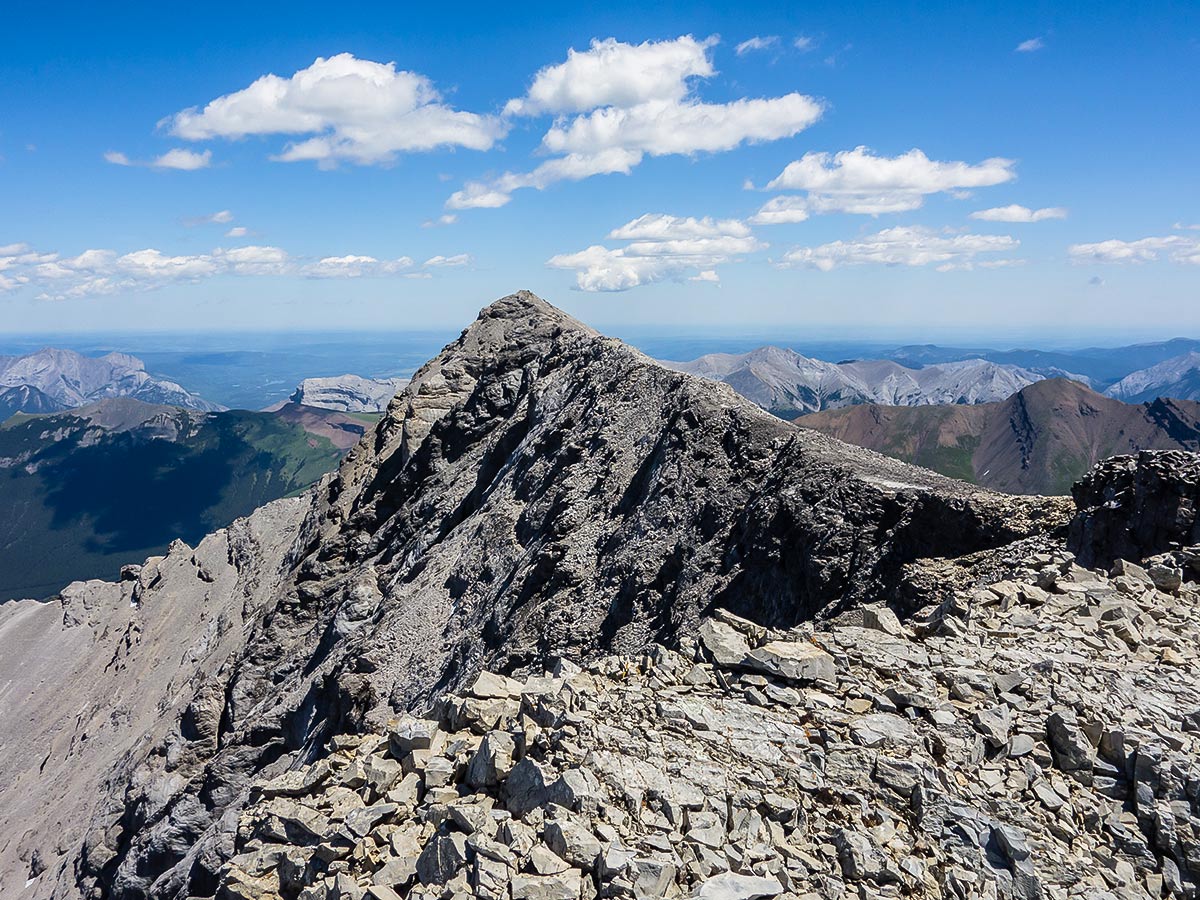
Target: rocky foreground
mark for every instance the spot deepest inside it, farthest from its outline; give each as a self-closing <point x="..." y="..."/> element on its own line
<point x="1025" y="741"/>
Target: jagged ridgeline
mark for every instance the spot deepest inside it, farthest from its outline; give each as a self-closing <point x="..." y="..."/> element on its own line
<point x="537" y="490"/>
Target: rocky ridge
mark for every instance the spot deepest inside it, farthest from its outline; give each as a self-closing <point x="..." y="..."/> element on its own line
<point x="1022" y="741"/>
<point x="537" y="491"/>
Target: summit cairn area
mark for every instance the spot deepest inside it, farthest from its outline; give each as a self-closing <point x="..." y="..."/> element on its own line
<point x="1031" y="749"/>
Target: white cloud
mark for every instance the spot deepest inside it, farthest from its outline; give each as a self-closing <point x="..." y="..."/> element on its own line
<point x="661" y="247"/>
<point x="183" y="160"/>
<point x="355" y="267"/>
<point x="663" y="128"/>
<point x="254" y="260"/>
<point x="756" y="43"/>
<point x="1174" y="247"/>
<point x="178" y="158"/>
<point x="804" y="43"/>
<point x="572" y="167"/>
<point x="237" y="231"/>
<point x="100" y="271"/>
<point x="1016" y="213"/>
<point x="617" y="103"/>
<point x="1030" y="45"/>
<point x="859" y="172"/>
<point x="661" y="227"/>
<point x="1179" y="226"/>
<point x="858" y="182"/>
<point x="904" y="246"/>
<point x="611" y="73"/>
<point x="447" y="219"/>
<point x="442" y="262"/>
<point x="355" y="109"/>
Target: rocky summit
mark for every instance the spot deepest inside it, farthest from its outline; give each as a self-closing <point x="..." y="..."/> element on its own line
<point x="569" y="624"/>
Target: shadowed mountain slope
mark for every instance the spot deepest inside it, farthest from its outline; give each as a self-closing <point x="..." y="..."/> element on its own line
<point x="87" y="490"/>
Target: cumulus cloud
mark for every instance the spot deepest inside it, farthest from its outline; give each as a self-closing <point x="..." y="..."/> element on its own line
<point x="183" y="160"/>
<point x="102" y="271"/>
<point x="905" y="246"/>
<point x="1030" y="45"/>
<point x="662" y="227"/>
<point x="804" y="43"/>
<point x="659" y="247"/>
<point x="179" y="159"/>
<point x="859" y="182"/>
<point x="572" y="167"/>
<point x="612" y="73"/>
<point x="355" y="267"/>
<point x="15" y="260"/>
<point x="1016" y="213"/>
<point x="616" y="103"/>
<point x="354" y="109"/>
<point x="1173" y="247"/>
<point x="441" y="262"/>
<point x="756" y="43"/>
<point x="237" y="231"/>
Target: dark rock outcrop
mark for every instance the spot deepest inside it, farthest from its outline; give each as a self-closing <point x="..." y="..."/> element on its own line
<point x="1133" y="507"/>
<point x="537" y="490"/>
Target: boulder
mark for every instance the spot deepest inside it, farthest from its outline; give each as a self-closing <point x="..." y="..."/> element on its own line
<point x="1133" y="507"/>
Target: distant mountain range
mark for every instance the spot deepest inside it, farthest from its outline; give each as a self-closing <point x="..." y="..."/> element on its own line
<point x="789" y="384"/>
<point x="1176" y="377"/>
<point x="111" y="482"/>
<point x="52" y="380"/>
<point x="1038" y="441"/>
<point x="1097" y="366"/>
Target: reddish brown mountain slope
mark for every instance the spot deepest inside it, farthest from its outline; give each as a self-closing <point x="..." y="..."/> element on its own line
<point x="1038" y="441"/>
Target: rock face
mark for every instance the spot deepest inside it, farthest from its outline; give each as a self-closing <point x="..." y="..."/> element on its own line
<point x="1041" y="440"/>
<point x="1131" y="507"/>
<point x="70" y="379"/>
<point x="1051" y="765"/>
<point x="348" y="393"/>
<point x="536" y="491"/>
<point x="788" y="384"/>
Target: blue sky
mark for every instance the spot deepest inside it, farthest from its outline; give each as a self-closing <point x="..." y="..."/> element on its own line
<point x="918" y="170"/>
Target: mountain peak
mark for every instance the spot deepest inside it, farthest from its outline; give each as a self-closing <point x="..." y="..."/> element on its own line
<point x="528" y="307"/>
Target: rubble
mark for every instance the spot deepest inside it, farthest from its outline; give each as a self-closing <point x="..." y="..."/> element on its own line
<point x="1026" y="751"/>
